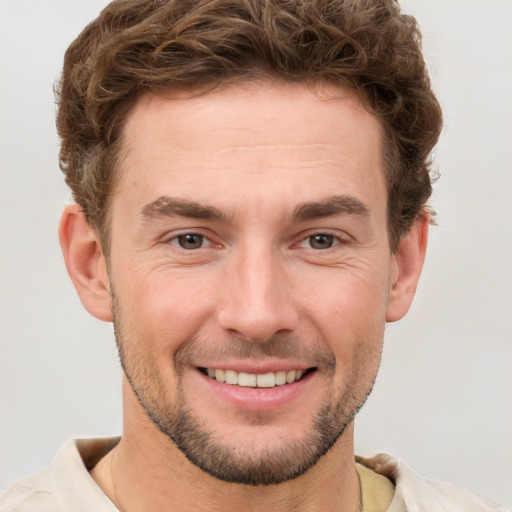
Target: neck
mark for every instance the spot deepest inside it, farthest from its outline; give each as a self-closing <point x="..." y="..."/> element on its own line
<point x="146" y="471"/>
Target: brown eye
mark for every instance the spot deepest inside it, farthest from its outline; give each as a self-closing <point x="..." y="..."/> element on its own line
<point x="190" y="241"/>
<point x="321" y="241"/>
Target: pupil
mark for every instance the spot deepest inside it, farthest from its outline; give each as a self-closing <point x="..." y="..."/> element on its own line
<point x="190" y="241"/>
<point x="321" y="241"/>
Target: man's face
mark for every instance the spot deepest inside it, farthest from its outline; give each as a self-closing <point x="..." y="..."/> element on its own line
<point x="249" y="244"/>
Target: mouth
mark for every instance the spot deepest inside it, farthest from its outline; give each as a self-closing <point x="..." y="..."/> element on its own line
<point x="256" y="380"/>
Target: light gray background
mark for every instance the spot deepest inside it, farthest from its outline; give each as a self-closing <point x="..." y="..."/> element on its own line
<point x="443" y="399"/>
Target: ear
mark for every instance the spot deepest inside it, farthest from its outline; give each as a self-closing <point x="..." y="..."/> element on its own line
<point x="406" y="265"/>
<point x="85" y="262"/>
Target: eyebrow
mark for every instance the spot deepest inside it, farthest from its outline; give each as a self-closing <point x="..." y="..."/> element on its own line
<point x="166" y="206"/>
<point x="335" y="205"/>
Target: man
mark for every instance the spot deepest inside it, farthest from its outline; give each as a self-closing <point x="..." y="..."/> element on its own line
<point x="251" y="183"/>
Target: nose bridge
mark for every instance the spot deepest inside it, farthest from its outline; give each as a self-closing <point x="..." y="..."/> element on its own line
<point x="257" y="301"/>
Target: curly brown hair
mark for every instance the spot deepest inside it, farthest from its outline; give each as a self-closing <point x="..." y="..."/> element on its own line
<point x="140" y="46"/>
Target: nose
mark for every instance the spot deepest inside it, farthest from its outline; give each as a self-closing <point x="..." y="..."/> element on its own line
<point x="257" y="301"/>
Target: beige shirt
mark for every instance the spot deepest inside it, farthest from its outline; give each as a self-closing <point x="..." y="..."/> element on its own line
<point x="66" y="486"/>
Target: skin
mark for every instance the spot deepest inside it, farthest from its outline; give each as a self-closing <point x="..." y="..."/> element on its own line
<point x="275" y="166"/>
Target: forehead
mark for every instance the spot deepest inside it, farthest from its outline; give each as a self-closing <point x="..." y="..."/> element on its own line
<point x="251" y="139"/>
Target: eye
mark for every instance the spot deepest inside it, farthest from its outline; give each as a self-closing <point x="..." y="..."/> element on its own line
<point x="190" y="241"/>
<point x="321" y="241"/>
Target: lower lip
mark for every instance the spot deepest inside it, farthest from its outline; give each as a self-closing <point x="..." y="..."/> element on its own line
<point x="257" y="399"/>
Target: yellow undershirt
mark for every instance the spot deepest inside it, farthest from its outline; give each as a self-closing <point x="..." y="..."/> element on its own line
<point x="376" y="490"/>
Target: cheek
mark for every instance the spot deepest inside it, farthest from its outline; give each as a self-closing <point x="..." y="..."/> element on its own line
<point x="348" y="298"/>
<point x="166" y="308"/>
<point x="349" y="312"/>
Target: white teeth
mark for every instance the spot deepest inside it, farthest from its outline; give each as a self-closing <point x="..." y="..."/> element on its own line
<point x="280" y="378"/>
<point x="290" y="376"/>
<point x="231" y="377"/>
<point x="247" y="379"/>
<point x="266" y="380"/>
<point x="260" y="380"/>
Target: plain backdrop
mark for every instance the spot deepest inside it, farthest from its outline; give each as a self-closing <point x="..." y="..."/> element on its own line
<point x="443" y="400"/>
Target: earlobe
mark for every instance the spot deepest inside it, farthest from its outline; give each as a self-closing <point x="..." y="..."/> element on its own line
<point x="85" y="262"/>
<point x="407" y="263"/>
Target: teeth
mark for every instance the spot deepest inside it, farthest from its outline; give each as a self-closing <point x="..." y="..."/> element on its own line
<point x="280" y="378"/>
<point x="247" y="379"/>
<point x="266" y="380"/>
<point x="231" y="377"/>
<point x="260" y="380"/>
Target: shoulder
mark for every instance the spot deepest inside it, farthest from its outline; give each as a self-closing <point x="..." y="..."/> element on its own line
<point x="65" y="483"/>
<point x="421" y="494"/>
<point x="31" y="494"/>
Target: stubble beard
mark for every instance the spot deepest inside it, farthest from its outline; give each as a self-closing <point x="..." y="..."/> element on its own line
<point x="242" y="464"/>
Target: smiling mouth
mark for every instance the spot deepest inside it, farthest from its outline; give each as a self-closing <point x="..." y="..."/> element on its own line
<point x="256" y="380"/>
